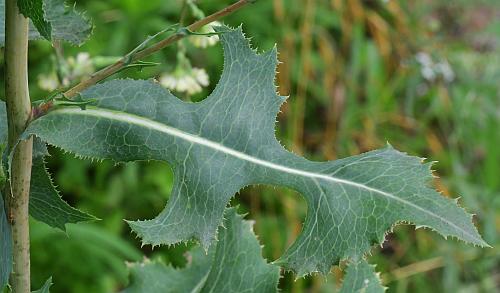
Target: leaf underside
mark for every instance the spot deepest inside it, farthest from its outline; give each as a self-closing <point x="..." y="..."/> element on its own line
<point x="234" y="264"/>
<point x="50" y="19"/>
<point x="226" y="142"/>
<point x="361" y="278"/>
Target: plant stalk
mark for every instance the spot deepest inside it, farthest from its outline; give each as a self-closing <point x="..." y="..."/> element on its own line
<point x="112" y="69"/>
<point x="18" y="116"/>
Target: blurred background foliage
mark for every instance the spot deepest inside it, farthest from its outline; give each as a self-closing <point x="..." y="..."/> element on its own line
<point x="422" y="75"/>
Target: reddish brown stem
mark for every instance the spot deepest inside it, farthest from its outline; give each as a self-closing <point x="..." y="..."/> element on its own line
<point x="112" y="69"/>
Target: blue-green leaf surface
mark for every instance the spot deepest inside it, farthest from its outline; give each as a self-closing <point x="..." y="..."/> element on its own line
<point x="234" y="264"/>
<point x="226" y="142"/>
<point x="361" y="278"/>
<point x="5" y="246"/>
<point x="66" y="23"/>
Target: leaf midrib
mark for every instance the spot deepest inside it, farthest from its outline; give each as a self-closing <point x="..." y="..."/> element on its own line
<point x="152" y="124"/>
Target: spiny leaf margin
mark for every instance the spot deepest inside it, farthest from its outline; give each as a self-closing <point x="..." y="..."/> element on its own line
<point x="66" y="23"/>
<point x="46" y="205"/>
<point x="234" y="264"/>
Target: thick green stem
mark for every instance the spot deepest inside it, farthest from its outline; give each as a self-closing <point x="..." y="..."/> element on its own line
<point x="18" y="115"/>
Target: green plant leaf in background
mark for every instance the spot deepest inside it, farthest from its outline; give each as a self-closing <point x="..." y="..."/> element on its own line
<point x="5" y="246"/>
<point x="46" y="205"/>
<point x="51" y="19"/>
<point x="45" y="288"/>
<point x="234" y="264"/>
<point x="227" y="142"/>
<point x="361" y="277"/>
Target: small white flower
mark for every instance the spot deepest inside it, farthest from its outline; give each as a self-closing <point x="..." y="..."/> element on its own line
<point x="431" y="70"/>
<point x="168" y="81"/>
<point x="445" y="69"/>
<point x="48" y="82"/>
<point x="428" y="73"/>
<point x="201" y="76"/>
<point x="191" y="81"/>
<point x="205" y="41"/>
<point x="81" y="65"/>
<point x="424" y="59"/>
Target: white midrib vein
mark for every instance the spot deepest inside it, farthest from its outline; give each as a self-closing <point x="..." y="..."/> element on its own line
<point x="151" y="124"/>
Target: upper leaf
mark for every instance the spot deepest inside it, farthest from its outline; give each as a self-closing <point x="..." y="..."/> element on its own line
<point x="34" y="10"/>
<point x="361" y="278"/>
<point x="50" y="19"/>
<point x="66" y="23"/>
<point x="235" y="264"/>
<point x="227" y="141"/>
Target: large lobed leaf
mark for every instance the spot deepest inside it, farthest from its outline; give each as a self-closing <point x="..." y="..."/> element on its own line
<point x="234" y="264"/>
<point x="227" y="141"/>
<point x="50" y="19"/>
